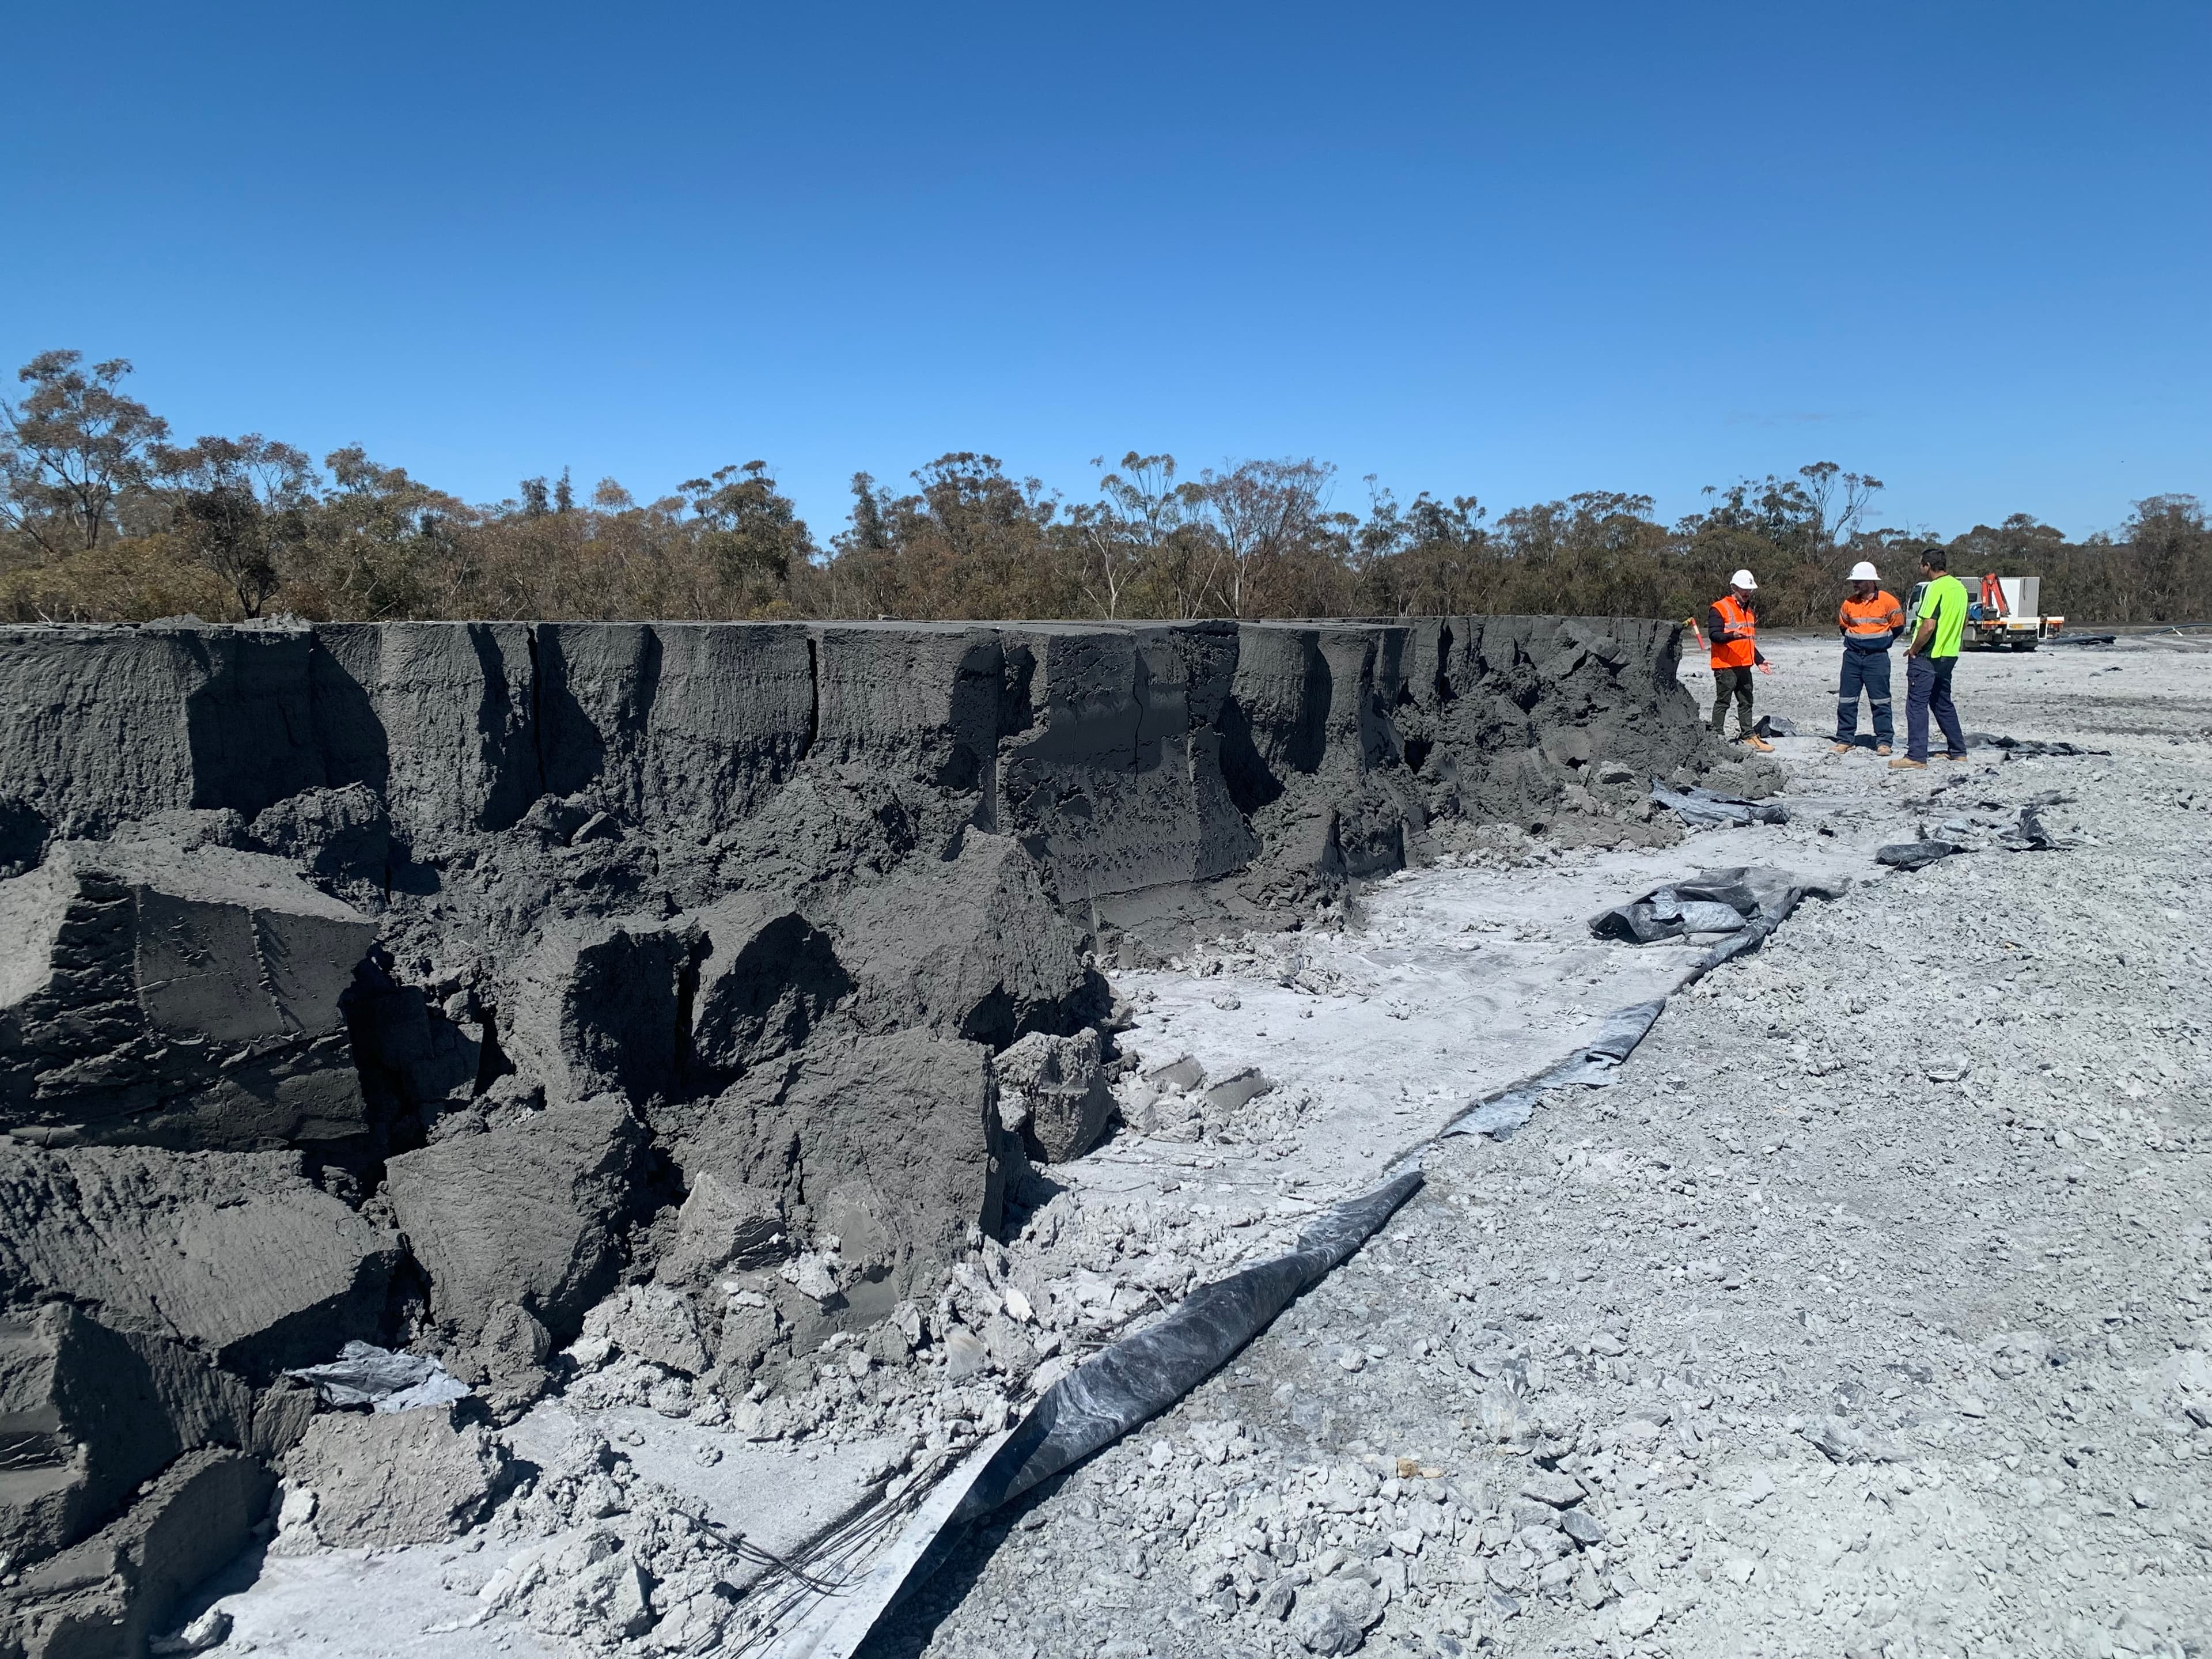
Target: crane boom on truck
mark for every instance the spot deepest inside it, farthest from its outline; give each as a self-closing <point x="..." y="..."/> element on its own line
<point x="2003" y="616"/>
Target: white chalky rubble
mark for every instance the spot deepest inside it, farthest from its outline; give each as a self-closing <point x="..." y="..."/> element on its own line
<point x="1865" y="1314"/>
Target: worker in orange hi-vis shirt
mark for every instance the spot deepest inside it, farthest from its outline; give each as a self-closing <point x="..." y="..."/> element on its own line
<point x="1869" y="620"/>
<point x="1732" y="638"/>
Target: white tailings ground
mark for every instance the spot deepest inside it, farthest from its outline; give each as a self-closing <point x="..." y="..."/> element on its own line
<point x="1862" y="1316"/>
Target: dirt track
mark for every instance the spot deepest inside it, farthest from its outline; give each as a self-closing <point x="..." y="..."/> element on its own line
<point x="1867" y="1314"/>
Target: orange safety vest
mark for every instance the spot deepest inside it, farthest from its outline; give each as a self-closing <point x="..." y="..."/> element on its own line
<point x="1870" y="619"/>
<point x="1741" y="651"/>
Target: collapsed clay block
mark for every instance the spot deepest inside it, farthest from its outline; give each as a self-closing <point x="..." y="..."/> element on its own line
<point x="107" y="1594"/>
<point x="530" y="1214"/>
<point x="184" y="996"/>
<point x="885" y="1144"/>
<point x="337" y="834"/>
<point x="235" y="1253"/>
<point x="98" y="1412"/>
<point x="650" y="1322"/>
<point x="971" y="946"/>
<point x="384" y="1479"/>
<point x="724" y="1224"/>
<point x="766" y="978"/>
<point x="600" y="1007"/>
<point x="1054" y="1089"/>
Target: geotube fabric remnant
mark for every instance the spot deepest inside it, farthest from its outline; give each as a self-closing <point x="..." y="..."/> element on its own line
<point x="1914" y="854"/>
<point x="2026" y="748"/>
<point x="1124" y="1385"/>
<point x="1697" y="906"/>
<point x="1137" y="1378"/>
<point x="1705" y="809"/>
<point x="1758" y="899"/>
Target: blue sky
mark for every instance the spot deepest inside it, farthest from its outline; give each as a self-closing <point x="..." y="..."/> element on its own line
<point x="1513" y="251"/>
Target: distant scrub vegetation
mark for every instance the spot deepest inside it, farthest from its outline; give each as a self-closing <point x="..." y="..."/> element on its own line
<point x="103" y="517"/>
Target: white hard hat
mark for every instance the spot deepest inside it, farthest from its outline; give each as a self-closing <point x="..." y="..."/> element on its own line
<point x="1864" y="572"/>
<point x="1743" y="579"/>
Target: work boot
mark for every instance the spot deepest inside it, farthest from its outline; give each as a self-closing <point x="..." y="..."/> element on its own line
<point x="1757" y="741"/>
<point x="1841" y="748"/>
<point x="1881" y="748"/>
<point x="1906" y="763"/>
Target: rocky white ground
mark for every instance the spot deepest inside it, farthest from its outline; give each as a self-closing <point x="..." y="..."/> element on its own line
<point x="1868" y="1314"/>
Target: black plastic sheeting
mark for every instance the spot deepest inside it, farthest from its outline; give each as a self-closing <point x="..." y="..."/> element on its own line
<point x="1704" y="809"/>
<point x="1137" y="1378"/>
<point x="1687" y="907"/>
<point x="2029" y="835"/>
<point x="2026" y="748"/>
<point x="1761" y="898"/>
<point x="1915" y="855"/>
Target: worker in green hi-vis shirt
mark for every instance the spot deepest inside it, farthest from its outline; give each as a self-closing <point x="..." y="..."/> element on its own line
<point x="1929" y="660"/>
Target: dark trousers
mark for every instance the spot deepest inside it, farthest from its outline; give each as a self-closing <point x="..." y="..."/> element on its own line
<point x="1735" y="681"/>
<point x="1928" y="690"/>
<point x="1868" y="671"/>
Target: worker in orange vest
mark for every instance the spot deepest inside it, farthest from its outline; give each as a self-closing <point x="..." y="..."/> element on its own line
<point x="1732" y="637"/>
<point x="1869" y="620"/>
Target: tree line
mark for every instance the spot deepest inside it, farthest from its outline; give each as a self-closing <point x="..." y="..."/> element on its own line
<point x="104" y="518"/>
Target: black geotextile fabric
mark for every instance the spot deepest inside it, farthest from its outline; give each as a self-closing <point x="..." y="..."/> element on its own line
<point x="1755" y="899"/>
<point x="1697" y="906"/>
<point x="2026" y="748"/>
<point x="1702" y="808"/>
<point x="1133" y="1380"/>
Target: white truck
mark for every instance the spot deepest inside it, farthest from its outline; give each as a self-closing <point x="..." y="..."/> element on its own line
<point x="2005" y="618"/>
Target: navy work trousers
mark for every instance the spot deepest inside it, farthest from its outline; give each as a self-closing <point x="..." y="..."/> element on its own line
<point x="1868" y="671"/>
<point x="1928" y="690"/>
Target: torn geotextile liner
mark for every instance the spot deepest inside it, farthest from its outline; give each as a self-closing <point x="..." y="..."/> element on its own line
<point x="1705" y="809"/>
<point x="381" y="1379"/>
<point x="1697" y="906"/>
<point x="1757" y="898"/>
<point x="1124" y="1385"/>
<point x="2026" y="748"/>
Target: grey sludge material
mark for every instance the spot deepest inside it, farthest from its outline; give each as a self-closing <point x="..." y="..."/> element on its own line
<point x="1140" y="1377"/>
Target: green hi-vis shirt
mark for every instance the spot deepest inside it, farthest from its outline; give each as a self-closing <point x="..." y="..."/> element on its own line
<point x="1945" y="604"/>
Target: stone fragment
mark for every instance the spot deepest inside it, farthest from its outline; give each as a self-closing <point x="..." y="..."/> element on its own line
<point x="1318" y="1626"/>
<point x="964" y="1354"/>
<point x="1582" y="1527"/>
<point x="1056" y="1087"/>
<point x="651" y="1322"/>
<point x="382" y="1480"/>
<point x="528" y="1214"/>
<point x="1638" y="1614"/>
<point x="1239" y="1088"/>
<point x="1550" y="1486"/>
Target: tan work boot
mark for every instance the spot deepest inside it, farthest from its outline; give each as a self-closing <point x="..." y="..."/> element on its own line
<point x="1757" y="741"/>
<point x="1906" y="763"/>
<point x="1881" y="748"/>
<point x="1840" y="748"/>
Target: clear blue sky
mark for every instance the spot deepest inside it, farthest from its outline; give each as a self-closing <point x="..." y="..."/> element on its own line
<point x="1512" y="251"/>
